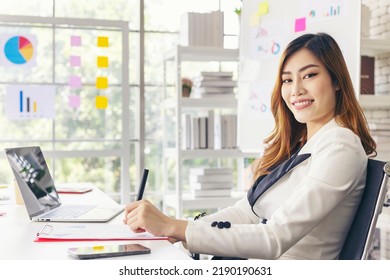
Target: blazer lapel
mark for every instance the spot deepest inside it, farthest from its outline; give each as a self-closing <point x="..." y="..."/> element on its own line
<point x="263" y="183"/>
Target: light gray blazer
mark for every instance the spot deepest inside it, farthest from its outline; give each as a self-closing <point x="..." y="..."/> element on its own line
<point x="308" y="211"/>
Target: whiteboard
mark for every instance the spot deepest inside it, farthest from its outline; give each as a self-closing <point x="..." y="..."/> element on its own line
<point x="266" y="29"/>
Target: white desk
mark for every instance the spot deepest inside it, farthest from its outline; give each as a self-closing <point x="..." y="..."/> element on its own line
<point x="18" y="233"/>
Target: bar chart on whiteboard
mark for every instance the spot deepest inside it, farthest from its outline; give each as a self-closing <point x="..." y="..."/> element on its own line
<point x="30" y="102"/>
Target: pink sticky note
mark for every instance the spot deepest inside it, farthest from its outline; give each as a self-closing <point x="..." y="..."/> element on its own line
<point x="75" y="61"/>
<point x="74" y="101"/>
<point x="300" y="24"/>
<point x="75" y="41"/>
<point x="75" y="81"/>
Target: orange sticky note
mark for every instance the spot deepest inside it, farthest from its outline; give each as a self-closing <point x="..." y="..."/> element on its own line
<point x="102" y="61"/>
<point x="101" y="102"/>
<point x="263" y="8"/>
<point x="102" y="42"/>
<point x="101" y="82"/>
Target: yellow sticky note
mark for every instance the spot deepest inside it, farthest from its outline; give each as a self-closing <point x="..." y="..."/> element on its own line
<point x="98" y="248"/>
<point x="254" y="19"/>
<point x="102" y="61"/>
<point x="101" y="82"/>
<point x="101" y="102"/>
<point x="102" y="42"/>
<point x="263" y="8"/>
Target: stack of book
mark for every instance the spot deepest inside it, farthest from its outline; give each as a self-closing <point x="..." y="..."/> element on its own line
<point x="211" y="182"/>
<point x="380" y="132"/>
<point x="214" y="131"/>
<point x="202" y="29"/>
<point x="213" y="84"/>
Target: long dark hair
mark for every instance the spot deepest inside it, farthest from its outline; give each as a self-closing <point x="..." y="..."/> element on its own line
<point x="288" y="134"/>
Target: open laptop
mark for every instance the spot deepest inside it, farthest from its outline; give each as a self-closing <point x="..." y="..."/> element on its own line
<point x="40" y="195"/>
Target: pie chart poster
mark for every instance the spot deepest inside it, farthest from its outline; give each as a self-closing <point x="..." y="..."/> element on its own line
<point x="18" y="50"/>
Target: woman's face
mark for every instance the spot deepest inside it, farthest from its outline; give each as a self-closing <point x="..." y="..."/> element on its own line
<point x="308" y="90"/>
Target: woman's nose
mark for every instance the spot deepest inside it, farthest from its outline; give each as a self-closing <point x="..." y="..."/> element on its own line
<point x="297" y="89"/>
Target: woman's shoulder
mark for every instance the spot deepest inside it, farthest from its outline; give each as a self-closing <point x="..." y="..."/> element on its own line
<point x="337" y="136"/>
<point x="333" y="138"/>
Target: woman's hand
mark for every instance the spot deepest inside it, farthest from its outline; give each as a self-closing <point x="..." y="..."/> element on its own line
<point x="144" y="216"/>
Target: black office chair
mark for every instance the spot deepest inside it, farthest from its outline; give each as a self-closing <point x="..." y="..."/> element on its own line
<point x="359" y="238"/>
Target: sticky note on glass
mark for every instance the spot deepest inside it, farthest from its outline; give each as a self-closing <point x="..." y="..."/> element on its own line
<point x="254" y="19"/>
<point x="74" y="101"/>
<point x="101" y="102"/>
<point x="102" y="42"/>
<point x="101" y="82"/>
<point x="263" y="8"/>
<point x="102" y="61"/>
<point x="300" y="24"/>
<point x="75" y="81"/>
<point x="75" y="61"/>
<point x="75" y="41"/>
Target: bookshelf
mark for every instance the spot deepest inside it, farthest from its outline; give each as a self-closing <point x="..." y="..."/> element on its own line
<point x="374" y="47"/>
<point x="175" y="195"/>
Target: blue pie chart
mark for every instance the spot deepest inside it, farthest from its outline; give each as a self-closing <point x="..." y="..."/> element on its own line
<point x="18" y="50"/>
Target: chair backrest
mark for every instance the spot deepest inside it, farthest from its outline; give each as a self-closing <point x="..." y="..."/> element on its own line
<point x="358" y="241"/>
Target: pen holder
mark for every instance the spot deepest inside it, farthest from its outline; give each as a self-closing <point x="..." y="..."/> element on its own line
<point x="18" y="196"/>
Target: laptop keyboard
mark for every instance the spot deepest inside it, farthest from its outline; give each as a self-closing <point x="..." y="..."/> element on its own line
<point x="69" y="211"/>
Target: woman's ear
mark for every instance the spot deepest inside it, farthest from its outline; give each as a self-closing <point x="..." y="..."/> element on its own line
<point x="336" y="86"/>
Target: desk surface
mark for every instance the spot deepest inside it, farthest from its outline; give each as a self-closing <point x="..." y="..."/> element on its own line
<point x="18" y="233"/>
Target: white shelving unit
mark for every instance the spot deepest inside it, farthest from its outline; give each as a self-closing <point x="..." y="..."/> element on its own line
<point x="178" y="199"/>
<point x="374" y="47"/>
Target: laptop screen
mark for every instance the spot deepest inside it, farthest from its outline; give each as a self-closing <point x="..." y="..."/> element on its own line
<point x="33" y="177"/>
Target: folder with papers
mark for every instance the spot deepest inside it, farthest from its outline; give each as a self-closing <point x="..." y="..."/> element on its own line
<point x="90" y="232"/>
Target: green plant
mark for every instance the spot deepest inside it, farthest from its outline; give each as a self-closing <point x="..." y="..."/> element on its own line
<point x="238" y="10"/>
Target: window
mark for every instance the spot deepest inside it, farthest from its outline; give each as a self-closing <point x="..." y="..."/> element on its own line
<point x="85" y="144"/>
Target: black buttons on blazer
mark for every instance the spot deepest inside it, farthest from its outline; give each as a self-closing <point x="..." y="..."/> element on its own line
<point x="221" y="224"/>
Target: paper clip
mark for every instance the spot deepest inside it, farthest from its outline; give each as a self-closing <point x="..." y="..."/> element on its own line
<point x="45" y="230"/>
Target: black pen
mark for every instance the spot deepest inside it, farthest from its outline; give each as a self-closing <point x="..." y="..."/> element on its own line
<point x="143" y="184"/>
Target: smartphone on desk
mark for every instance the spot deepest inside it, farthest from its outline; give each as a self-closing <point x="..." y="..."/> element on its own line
<point x="107" y="251"/>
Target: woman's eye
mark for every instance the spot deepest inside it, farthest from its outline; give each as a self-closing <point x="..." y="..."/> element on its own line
<point x="310" y="75"/>
<point x="286" y="81"/>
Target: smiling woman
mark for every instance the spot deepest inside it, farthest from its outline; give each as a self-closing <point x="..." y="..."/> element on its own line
<point x="308" y="90"/>
<point x="310" y="179"/>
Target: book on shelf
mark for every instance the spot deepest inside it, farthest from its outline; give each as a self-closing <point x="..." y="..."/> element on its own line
<point x="228" y="124"/>
<point x="211" y="181"/>
<point x="383" y="147"/>
<point x="381" y="133"/>
<point x="212" y="186"/>
<point x="212" y="193"/>
<point x="202" y="29"/>
<point x="218" y="74"/>
<point x="210" y="171"/>
<point x="213" y="83"/>
<point x="186" y="132"/>
<point x="202" y="132"/>
<point x="212" y="93"/>
<point x="213" y="131"/>
<point x="367" y="75"/>
<point x="210" y="130"/>
<point x="195" y="133"/>
<point x="210" y="178"/>
<point x="379" y="126"/>
<point x="210" y="78"/>
<point x="216" y="83"/>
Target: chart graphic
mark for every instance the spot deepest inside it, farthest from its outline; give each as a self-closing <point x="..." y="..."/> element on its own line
<point x="30" y="102"/>
<point x="18" y="50"/>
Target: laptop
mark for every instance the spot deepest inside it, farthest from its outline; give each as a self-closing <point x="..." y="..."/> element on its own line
<point x="40" y="195"/>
